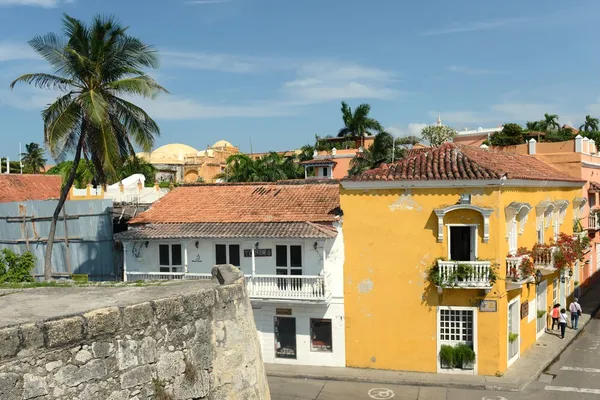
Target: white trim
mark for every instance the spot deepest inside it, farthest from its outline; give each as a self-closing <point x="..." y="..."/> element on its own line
<point x="474" y="236"/>
<point x="439" y="344"/>
<point x="516" y="357"/>
<point x="366" y="185"/>
<point x="485" y="214"/>
<point x="590" y="165"/>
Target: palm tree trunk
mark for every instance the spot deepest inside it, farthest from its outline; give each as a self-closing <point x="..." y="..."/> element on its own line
<point x="61" y="201"/>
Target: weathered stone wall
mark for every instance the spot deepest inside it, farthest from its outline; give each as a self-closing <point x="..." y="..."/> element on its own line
<point x="200" y="345"/>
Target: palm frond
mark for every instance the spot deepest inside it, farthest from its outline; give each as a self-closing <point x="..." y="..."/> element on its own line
<point x="47" y="81"/>
<point x="142" y="85"/>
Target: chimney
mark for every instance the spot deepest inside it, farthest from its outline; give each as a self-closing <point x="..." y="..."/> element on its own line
<point x="7" y="166"/>
<point x="531" y="146"/>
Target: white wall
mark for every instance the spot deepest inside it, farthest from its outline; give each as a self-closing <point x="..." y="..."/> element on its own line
<point x="264" y="316"/>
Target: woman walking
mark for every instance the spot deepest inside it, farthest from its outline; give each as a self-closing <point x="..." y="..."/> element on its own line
<point x="562" y="322"/>
<point x="554" y="314"/>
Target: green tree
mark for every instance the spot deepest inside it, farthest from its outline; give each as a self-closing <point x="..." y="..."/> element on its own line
<point x="94" y="66"/>
<point x="135" y="165"/>
<point x="358" y="124"/>
<point x="33" y="159"/>
<point x="550" y="122"/>
<point x="590" y="124"/>
<point x="84" y="174"/>
<point x="408" y="141"/>
<point x="437" y="135"/>
<point x="510" y="135"/>
<point x="535" y="126"/>
<point x="385" y="149"/>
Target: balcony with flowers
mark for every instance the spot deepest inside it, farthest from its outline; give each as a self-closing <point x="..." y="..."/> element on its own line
<point x="561" y="254"/>
<point x="519" y="269"/>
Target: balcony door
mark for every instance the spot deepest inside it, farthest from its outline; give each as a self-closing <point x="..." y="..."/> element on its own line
<point x="514" y="328"/>
<point x="288" y="261"/>
<point x="542" y="304"/>
<point x="463" y="244"/>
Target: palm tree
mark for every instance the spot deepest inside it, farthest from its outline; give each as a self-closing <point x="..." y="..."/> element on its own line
<point x="135" y="165"/>
<point x="535" y="126"/>
<point x="358" y="124"/>
<point x="385" y="149"/>
<point x="94" y="65"/>
<point x="550" y="122"/>
<point x="33" y="158"/>
<point x="590" y="124"/>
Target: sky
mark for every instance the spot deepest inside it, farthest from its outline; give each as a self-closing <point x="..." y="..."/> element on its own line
<point x="270" y="74"/>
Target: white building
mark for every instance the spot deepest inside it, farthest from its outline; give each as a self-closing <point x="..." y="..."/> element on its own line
<point x="287" y="239"/>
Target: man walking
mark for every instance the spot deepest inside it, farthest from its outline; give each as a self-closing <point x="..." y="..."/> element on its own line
<point x="575" y="310"/>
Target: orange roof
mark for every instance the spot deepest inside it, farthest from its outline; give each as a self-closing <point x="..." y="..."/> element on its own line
<point x="289" y="201"/>
<point x="453" y="161"/>
<point x="16" y="187"/>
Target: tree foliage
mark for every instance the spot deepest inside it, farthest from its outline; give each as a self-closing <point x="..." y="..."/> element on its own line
<point x="33" y="159"/>
<point x="358" y="123"/>
<point x="95" y="67"/>
<point x="271" y="167"/>
<point x="15" y="268"/>
<point x="510" y="135"/>
<point x="437" y="135"/>
<point x="383" y="150"/>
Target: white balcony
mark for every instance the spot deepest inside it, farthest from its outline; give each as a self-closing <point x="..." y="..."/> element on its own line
<point x="593" y="222"/>
<point x="514" y="276"/>
<point x="544" y="260"/>
<point x="465" y="274"/>
<point x="302" y="288"/>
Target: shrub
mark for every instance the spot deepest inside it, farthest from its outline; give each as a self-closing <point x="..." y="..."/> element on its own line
<point x="15" y="268"/>
<point x="463" y="355"/>
<point x="512" y="337"/>
<point x="541" y="313"/>
<point x="447" y="356"/>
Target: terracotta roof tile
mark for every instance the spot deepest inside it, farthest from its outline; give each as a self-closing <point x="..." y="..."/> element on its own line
<point x="594" y="187"/>
<point x="293" y="201"/>
<point x="16" y="187"/>
<point x="319" y="161"/>
<point x="205" y="230"/>
<point x="453" y="161"/>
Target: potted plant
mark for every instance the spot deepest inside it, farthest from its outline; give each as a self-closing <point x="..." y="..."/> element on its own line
<point x="512" y="337"/>
<point x="541" y="313"/>
<point x="447" y="356"/>
<point x="464" y="356"/>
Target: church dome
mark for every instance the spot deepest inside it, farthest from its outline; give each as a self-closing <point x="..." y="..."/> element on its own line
<point x="222" y="143"/>
<point x="174" y="153"/>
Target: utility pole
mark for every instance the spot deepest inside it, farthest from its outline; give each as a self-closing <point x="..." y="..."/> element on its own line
<point x="21" y="158"/>
<point x="251" y="153"/>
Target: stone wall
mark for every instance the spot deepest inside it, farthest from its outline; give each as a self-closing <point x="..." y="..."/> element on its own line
<point x="199" y="345"/>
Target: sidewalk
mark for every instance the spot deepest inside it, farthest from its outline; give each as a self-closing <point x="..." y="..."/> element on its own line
<point x="524" y="371"/>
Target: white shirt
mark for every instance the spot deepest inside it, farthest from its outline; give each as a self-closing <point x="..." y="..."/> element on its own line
<point x="574" y="307"/>
<point x="562" y="318"/>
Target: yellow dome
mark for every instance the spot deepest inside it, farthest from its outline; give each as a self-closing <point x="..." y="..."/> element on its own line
<point x="174" y="153"/>
<point x="222" y="143"/>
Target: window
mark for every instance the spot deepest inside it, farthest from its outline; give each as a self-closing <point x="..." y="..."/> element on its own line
<point x="540" y="235"/>
<point x="320" y="335"/>
<point x="169" y="257"/>
<point x="462" y="243"/>
<point x="456" y="325"/>
<point x="512" y="236"/>
<point x="554" y="291"/>
<point x="288" y="261"/>
<point x="592" y="199"/>
<point x="227" y="254"/>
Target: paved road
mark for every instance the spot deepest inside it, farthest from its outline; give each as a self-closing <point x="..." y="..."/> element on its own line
<point x="575" y="376"/>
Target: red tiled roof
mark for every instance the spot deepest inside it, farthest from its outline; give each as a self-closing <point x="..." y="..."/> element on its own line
<point x="594" y="187"/>
<point x="206" y="230"/>
<point x="16" y="187"/>
<point x="291" y="201"/>
<point x="320" y="161"/>
<point x="453" y="161"/>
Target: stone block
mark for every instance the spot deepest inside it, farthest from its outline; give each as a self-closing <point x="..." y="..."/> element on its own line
<point x="138" y="315"/>
<point x="170" y="365"/>
<point x="198" y="387"/>
<point x="122" y="395"/>
<point x="72" y="376"/>
<point x="9" y="342"/>
<point x="103" y="321"/>
<point x="64" y="331"/>
<point x="83" y="356"/>
<point x="201" y="355"/>
<point x="148" y="350"/>
<point x="34" y="386"/>
<point x="127" y="354"/>
<point x="33" y="337"/>
<point x="102" y="349"/>
<point x="51" y="366"/>
<point x="11" y="386"/>
<point x="137" y="376"/>
<point x="169" y="309"/>
<point x="199" y="305"/>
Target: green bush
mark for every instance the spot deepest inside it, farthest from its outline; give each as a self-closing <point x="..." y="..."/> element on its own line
<point x="463" y="355"/>
<point x="15" y="268"/>
<point x="512" y="337"/>
<point x="447" y="356"/>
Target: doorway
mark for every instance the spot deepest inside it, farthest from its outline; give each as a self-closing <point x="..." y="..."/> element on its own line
<point x="285" y="337"/>
<point x="462" y="245"/>
<point x="514" y="331"/>
<point x="541" y="304"/>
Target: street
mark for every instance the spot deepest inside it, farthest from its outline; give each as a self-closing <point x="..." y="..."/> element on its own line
<point x="575" y="375"/>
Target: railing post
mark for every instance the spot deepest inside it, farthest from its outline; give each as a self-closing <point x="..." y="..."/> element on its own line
<point x="124" y="261"/>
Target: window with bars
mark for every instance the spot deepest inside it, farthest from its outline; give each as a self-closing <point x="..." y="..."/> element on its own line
<point x="456" y="325"/>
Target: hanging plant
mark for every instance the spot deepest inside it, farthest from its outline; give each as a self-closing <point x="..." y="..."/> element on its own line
<point x="541" y="313"/>
<point x="568" y="250"/>
<point x="541" y="253"/>
<point x="526" y="268"/>
<point x="512" y="337"/>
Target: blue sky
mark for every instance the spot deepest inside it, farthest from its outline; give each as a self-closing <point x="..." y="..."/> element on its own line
<point x="275" y="71"/>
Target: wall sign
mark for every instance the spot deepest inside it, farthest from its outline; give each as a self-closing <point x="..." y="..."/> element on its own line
<point x="258" y="253"/>
<point x="197" y="259"/>
<point x="283" y="311"/>
<point x="488" y="306"/>
<point x="524" y="310"/>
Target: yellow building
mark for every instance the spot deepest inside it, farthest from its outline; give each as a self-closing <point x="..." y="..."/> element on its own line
<point x="429" y="246"/>
<point x="182" y="163"/>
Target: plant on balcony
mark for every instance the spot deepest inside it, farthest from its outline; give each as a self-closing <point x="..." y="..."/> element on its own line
<point x="464" y="356"/>
<point x="541" y="313"/>
<point x="447" y="356"/>
<point x="541" y="252"/>
<point x="526" y="268"/>
<point x="433" y="274"/>
<point x="577" y="226"/>
<point x="568" y="250"/>
<point x="512" y="337"/>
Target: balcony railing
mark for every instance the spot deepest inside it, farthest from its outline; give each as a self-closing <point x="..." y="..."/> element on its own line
<point x="593" y="222"/>
<point x="264" y="287"/>
<point x="544" y="259"/>
<point x="465" y="274"/>
<point x="514" y="276"/>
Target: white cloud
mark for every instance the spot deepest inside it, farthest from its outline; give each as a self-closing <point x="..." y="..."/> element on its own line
<point x="501" y="113"/>
<point x="27" y="98"/>
<point x="10" y="51"/>
<point x="477" y="26"/>
<point x="474" y="71"/>
<point x="233" y="63"/>
<point x="412" y="129"/>
<point x="37" y="3"/>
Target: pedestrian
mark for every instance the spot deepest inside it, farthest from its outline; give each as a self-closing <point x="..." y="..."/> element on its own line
<point x="555" y="313"/>
<point x="563" y="319"/>
<point x="575" y="310"/>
